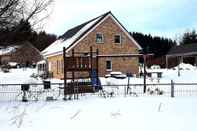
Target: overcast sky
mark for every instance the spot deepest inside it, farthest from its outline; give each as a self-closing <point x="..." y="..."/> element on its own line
<point x="168" y="18"/>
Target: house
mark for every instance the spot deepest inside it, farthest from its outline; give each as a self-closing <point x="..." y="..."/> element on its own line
<point x="22" y="53"/>
<point x="104" y="33"/>
<point x="183" y="53"/>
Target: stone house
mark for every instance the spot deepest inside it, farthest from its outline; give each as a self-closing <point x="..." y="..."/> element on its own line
<point x="104" y="33"/>
<point x="23" y="53"/>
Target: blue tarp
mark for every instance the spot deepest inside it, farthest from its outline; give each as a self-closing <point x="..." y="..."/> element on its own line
<point x="94" y="80"/>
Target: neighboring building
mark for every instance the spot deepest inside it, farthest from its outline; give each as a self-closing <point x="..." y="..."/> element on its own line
<point x="25" y="53"/>
<point x="105" y="33"/>
<point x="183" y="53"/>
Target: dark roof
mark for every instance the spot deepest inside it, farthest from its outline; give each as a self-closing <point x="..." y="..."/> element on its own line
<point x="71" y="32"/>
<point x="189" y="49"/>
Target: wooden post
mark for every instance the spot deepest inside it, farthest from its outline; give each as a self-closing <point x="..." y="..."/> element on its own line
<point x="91" y="58"/>
<point x="72" y="90"/>
<point x="97" y="67"/>
<point x="166" y="62"/>
<point x="144" y="56"/>
<point x="65" y="74"/>
<point x="179" y="59"/>
<point x="172" y="88"/>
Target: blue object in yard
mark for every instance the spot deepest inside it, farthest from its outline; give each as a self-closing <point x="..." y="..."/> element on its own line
<point x="129" y="75"/>
<point x="94" y="82"/>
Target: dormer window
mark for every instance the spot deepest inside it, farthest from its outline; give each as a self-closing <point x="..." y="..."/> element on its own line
<point x="99" y="38"/>
<point x="117" y="39"/>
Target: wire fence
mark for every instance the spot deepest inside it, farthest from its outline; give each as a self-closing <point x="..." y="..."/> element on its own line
<point x="55" y="91"/>
<point x="30" y="92"/>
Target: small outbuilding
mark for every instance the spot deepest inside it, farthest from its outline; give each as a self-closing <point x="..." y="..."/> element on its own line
<point x="22" y="53"/>
<point x="183" y="53"/>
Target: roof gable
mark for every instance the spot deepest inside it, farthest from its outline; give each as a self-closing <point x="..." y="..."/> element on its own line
<point x="73" y="36"/>
<point x="71" y="32"/>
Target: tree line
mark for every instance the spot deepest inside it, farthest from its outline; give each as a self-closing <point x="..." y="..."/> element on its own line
<point x="159" y="46"/>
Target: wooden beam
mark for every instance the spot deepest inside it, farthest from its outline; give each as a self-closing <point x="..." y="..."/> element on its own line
<point x="144" y="56"/>
<point x="124" y="55"/>
<point x="97" y="66"/>
<point x="65" y="73"/>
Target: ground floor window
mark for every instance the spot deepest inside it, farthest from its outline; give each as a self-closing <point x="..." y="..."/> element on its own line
<point x="109" y="65"/>
<point x="62" y="66"/>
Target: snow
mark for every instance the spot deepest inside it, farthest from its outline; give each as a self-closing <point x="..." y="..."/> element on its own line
<point x="184" y="66"/>
<point x="8" y="49"/>
<point x="94" y="112"/>
<point x="17" y="76"/>
<point x="12" y="63"/>
<point x="41" y="62"/>
<point x="57" y="46"/>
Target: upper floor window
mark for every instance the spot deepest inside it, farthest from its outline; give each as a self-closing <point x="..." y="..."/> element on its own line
<point x="117" y="39"/>
<point x="99" y="38"/>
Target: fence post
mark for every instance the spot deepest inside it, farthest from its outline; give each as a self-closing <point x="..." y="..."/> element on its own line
<point x="24" y="88"/>
<point x="125" y="91"/>
<point x="172" y="88"/>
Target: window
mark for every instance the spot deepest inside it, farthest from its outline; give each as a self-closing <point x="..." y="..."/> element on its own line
<point x="99" y="38"/>
<point x="62" y="66"/>
<point x="109" y="65"/>
<point x="117" y="39"/>
<point x="57" y="65"/>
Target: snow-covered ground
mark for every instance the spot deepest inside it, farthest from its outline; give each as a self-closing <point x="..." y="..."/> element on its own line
<point x="94" y="112"/>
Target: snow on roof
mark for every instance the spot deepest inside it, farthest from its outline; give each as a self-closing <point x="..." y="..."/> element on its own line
<point x="12" y="63"/>
<point x="57" y="46"/>
<point x="8" y="49"/>
<point x="185" y="66"/>
<point x="41" y="62"/>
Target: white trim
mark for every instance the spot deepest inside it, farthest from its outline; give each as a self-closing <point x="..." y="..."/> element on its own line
<point x="53" y="54"/>
<point x="109" y="15"/>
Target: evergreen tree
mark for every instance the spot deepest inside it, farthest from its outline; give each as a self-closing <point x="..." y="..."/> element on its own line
<point x="189" y="37"/>
<point x="157" y="45"/>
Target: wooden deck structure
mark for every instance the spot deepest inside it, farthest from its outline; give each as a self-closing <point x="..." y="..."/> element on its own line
<point x="79" y="62"/>
<point x="88" y="62"/>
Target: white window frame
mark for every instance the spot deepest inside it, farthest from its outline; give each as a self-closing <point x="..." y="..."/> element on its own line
<point x="120" y="38"/>
<point x="110" y="65"/>
<point x="100" y="42"/>
<point x="49" y="66"/>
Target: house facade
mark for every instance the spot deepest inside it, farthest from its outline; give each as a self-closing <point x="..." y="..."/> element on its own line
<point x="104" y="33"/>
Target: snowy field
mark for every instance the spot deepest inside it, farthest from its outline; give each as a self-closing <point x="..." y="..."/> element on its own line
<point x="98" y="114"/>
<point x="93" y="112"/>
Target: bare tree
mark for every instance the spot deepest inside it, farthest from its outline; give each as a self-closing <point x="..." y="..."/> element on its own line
<point x="12" y="11"/>
<point x="9" y="10"/>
